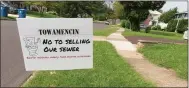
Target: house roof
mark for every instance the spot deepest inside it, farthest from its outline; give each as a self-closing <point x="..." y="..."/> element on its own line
<point x="154" y="12"/>
<point x="182" y="12"/>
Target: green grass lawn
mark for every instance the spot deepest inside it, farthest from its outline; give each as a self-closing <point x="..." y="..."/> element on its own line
<point x="8" y="18"/>
<point x="110" y="70"/>
<point x="106" y="31"/>
<point x="169" y="56"/>
<point x="37" y="14"/>
<point x="155" y="34"/>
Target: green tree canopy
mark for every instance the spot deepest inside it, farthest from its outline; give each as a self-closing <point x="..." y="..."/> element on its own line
<point x="74" y="9"/>
<point x="137" y="11"/>
<point x="39" y="4"/>
<point x="119" y="10"/>
<point x="167" y="16"/>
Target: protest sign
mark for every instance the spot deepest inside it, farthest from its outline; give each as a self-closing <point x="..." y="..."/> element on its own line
<point x="56" y="43"/>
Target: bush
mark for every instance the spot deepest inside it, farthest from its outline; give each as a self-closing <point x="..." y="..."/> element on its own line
<point x="158" y="27"/>
<point x="147" y="30"/>
<point x="125" y="24"/>
<point x="101" y="17"/>
<point x="171" y="27"/>
<point x="182" y="26"/>
<point x="51" y="12"/>
<point x="154" y="28"/>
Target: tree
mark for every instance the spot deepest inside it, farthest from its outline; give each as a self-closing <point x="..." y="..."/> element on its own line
<point x="137" y="11"/>
<point x="119" y="10"/>
<point x="39" y="4"/>
<point x="167" y="16"/>
<point x="72" y="9"/>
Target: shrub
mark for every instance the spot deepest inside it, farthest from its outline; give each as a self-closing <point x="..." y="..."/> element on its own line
<point x="154" y="28"/>
<point x="125" y="24"/>
<point x="182" y="26"/>
<point x="147" y="30"/>
<point x="171" y="27"/>
<point x="101" y="17"/>
<point x="51" y="12"/>
<point x="158" y="27"/>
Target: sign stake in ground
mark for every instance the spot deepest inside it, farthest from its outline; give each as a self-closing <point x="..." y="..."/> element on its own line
<point x="56" y="43"/>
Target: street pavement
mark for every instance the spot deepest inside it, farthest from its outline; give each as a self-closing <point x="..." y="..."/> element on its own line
<point x="14" y="15"/>
<point x="13" y="72"/>
<point x="99" y="26"/>
<point x="12" y="63"/>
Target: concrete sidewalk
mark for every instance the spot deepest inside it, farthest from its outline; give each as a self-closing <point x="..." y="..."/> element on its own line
<point x="162" y="77"/>
<point x="120" y="42"/>
<point x="99" y="38"/>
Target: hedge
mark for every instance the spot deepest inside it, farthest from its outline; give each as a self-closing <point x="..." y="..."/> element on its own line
<point x="125" y="24"/>
<point x="182" y="26"/>
<point x="171" y="27"/>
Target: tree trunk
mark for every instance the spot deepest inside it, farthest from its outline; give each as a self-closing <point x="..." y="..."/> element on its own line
<point x="41" y="11"/>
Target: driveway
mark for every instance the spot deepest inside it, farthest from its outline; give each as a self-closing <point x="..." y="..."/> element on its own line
<point x="13" y="72"/>
<point x="12" y="63"/>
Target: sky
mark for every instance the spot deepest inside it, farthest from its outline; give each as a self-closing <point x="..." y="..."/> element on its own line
<point x="181" y="5"/>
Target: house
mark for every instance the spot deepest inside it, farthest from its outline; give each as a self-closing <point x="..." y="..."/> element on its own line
<point x="182" y="15"/>
<point x="152" y="18"/>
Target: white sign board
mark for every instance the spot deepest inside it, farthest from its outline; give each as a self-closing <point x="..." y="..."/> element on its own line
<point x="56" y="43"/>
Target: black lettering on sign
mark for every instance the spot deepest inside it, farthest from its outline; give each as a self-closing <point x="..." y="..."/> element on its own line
<point x="40" y="31"/>
<point x="46" y="49"/>
<point x="77" y="41"/>
<point x="70" y="49"/>
<point x="46" y="41"/>
<point x="59" y="31"/>
<point x="58" y="41"/>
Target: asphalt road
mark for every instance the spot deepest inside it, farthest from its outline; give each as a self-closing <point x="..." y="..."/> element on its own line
<point x="99" y="26"/>
<point x="13" y="72"/>
<point x="12" y="63"/>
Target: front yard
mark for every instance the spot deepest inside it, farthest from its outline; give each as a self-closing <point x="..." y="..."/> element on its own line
<point x="110" y="70"/>
<point x="154" y="34"/>
<point x="169" y="56"/>
<point x="38" y="15"/>
<point x="106" y="31"/>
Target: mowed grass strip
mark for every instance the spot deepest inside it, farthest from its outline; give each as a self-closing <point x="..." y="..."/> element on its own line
<point x="169" y="56"/>
<point x="155" y="34"/>
<point x="8" y="18"/>
<point x="106" y="31"/>
<point x="110" y="70"/>
<point x="38" y="15"/>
